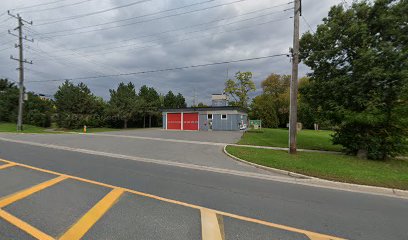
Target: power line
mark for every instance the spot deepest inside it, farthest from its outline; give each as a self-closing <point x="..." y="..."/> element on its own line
<point x="109" y="50"/>
<point x="142" y="21"/>
<point x="165" y="69"/>
<point x="53" y="8"/>
<point x="150" y="14"/>
<point x="91" y="61"/>
<point x="94" y="13"/>
<point x="184" y="28"/>
<point x="307" y="23"/>
<point x="37" y="5"/>
<point x="195" y="31"/>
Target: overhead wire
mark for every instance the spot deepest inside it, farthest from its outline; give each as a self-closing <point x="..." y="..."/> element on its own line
<point x="91" y="61"/>
<point x="93" y="13"/>
<point x="188" y="27"/>
<point x="38" y="5"/>
<point x="165" y="69"/>
<point x="138" y="22"/>
<point x="109" y="50"/>
<point x="53" y="8"/>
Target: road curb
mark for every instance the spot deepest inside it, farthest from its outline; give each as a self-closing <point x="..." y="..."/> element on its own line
<point x="318" y="182"/>
<point x="274" y="170"/>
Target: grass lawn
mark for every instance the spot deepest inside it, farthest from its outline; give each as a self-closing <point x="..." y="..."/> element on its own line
<point x="307" y="139"/>
<point x="392" y="173"/>
<point x="12" y="128"/>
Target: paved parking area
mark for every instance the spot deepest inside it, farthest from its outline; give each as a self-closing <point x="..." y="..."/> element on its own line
<point x="201" y="136"/>
<point x="40" y="204"/>
<point x="190" y="147"/>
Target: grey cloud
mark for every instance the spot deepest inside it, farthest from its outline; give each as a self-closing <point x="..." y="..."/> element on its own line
<point x="207" y="46"/>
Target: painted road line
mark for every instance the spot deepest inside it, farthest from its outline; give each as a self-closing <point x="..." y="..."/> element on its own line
<point x="156" y="161"/>
<point x="7" y="166"/>
<point x="27" y="192"/>
<point x="24" y="226"/>
<point x="312" y="182"/>
<point x="80" y="228"/>
<point x="156" y="139"/>
<point x="212" y="227"/>
<point x="316" y="236"/>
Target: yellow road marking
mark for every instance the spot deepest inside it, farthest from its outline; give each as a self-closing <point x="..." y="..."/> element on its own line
<point x="291" y="229"/>
<point x="211" y="227"/>
<point x="317" y="237"/>
<point x="27" y="192"/>
<point x="24" y="226"/>
<point x="78" y="230"/>
<point x="7" y="165"/>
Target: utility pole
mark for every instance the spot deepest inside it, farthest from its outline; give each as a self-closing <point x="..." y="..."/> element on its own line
<point x="294" y="80"/>
<point x="21" y="61"/>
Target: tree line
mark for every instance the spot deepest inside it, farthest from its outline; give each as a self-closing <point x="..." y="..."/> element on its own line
<point x="74" y="105"/>
<point x="358" y="84"/>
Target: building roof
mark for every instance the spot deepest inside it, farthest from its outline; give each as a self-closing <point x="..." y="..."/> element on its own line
<point x="202" y="109"/>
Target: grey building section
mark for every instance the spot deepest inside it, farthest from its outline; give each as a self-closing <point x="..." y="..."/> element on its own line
<point x="202" y="121"/>
<point x="224" y="118"/>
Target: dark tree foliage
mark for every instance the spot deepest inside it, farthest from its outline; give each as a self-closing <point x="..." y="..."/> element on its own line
<point x="37" y="111"/>
<point x="150" y="106"/>
<point x="8" y="101"/>
<point x="359" y="59"/>
<point x="262" y="108"/>
<point x="76" y="106"/>
<point x="173" y="101"/>
<point x="124" y="103"/>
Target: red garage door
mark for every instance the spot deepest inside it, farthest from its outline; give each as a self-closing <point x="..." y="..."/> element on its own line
<point x="190" y="121"/>
<point x="174" y="121"/>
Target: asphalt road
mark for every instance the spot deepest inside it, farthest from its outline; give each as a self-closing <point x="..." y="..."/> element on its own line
<point x="338" y="213"/>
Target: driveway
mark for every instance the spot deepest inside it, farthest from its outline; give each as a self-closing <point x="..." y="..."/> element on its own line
<point x="186" y="147"/>
<point x="201" y="136"/>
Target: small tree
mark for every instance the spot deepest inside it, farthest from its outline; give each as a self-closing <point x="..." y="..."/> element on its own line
<point x="150" y="104"/>
<point x="75" y="106"/>
<point x="38" y="111"/>
<point x="123" y="102"/>
<point x="262" y="108"/>
<point x="239" y="88"/>
<point x="173" y="101"/>
<point x="8" y="101"/>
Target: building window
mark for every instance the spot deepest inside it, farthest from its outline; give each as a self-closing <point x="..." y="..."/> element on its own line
<point x="209" y="116"/>
<point x="223" y="116"/>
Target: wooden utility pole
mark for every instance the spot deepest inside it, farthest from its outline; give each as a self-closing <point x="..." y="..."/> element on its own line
<point x="21" y="61"/>
<point x="294" y="80"/>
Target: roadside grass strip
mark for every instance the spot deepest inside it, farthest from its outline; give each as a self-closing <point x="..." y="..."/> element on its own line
<point x="212" y="227"/>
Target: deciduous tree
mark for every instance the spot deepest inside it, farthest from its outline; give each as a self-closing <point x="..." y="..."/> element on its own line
<point x="239" y="88"/>
<point x="359" y="62"/>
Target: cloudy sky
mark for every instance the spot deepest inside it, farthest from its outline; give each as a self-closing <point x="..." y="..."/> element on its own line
<point x="83" y="38"/>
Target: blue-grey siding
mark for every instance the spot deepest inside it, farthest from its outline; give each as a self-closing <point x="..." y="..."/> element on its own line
<point x="203" y="122"/>
<point x="232" y="123"/>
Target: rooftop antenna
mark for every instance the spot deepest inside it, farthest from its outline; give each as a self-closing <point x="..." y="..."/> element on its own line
<point x="194" y="98"/>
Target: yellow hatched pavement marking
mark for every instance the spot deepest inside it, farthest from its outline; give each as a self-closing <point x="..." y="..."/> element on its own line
<point x="211" y="225"/>
<point x="312" y="235"/>
<point x="7" y="165"/>
<point x="27" y="192"/>
<point x="24" y="226"/>
<point x="80" y="228"/>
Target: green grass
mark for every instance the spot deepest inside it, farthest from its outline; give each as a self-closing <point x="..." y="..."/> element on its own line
<point x="306" y="139"/>
<point x="11" y="128"/>
<point x="392" y="173"/>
